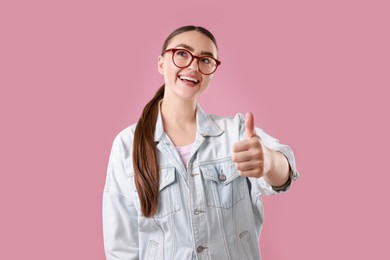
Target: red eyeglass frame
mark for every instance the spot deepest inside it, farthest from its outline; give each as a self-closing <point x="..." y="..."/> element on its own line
<point x="192" y="59"/>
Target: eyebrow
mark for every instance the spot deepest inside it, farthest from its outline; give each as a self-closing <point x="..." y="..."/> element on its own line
<point x="185" y="46"/>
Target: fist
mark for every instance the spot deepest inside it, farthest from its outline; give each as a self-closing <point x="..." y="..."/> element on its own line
<point x="251" y="157"/>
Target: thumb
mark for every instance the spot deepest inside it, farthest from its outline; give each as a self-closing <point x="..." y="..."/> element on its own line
<point x="249" y="125"/>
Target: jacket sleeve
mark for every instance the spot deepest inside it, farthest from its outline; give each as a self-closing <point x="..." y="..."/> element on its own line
<point x="274" y="144"/>
<point x="120" y="221"/>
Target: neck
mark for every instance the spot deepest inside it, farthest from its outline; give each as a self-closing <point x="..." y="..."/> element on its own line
<point x="179" y="120"/>
<point x="177" y="111"/>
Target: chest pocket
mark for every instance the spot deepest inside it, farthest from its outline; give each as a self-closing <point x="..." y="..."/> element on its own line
<point x="223" y="185"/>
<point x="169" y="193"/>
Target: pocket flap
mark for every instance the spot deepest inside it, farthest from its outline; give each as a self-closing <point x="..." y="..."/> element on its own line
<point x="223" y="173"/>
<point x="167" y="177"/>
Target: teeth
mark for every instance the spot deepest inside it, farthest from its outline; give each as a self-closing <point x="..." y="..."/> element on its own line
<point x="188" y="78"/>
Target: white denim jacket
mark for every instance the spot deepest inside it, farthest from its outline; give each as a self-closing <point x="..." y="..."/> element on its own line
<point x="205" y="210"/>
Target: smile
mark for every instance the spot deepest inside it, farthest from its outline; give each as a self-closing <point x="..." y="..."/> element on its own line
<point x="195" y="81"/>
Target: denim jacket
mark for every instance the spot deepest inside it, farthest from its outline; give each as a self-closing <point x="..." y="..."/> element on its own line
<point x="206" y="210"/>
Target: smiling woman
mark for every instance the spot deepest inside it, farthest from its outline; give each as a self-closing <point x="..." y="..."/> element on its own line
<point x="182" y="184"/>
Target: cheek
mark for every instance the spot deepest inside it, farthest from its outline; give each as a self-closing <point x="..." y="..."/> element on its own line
<point x="170" y="72"/>
<point x="207" y="81"/>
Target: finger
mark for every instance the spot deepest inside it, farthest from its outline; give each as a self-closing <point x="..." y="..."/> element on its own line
<point x="241" y="146"/>
<point x="257" y="173"/>
<point x="249" y="125"/>
<point x="247" y="144"/>
<point x="249" y="165"/>
<point x="247" y="155"/>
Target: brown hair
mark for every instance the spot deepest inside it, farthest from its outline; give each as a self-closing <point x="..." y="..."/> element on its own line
<point x="145" y="163"/>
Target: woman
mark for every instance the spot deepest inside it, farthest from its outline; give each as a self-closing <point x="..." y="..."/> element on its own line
<point x="182" y="184"/>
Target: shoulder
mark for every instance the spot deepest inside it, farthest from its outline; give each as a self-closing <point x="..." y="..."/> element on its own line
<point x="236" y="125"/>
<point x="227" y="121"/>
<point x="123" y="142"/>
<point x="125" y="135"/>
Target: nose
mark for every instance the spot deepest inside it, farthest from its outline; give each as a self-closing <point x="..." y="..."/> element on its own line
<point x="194" y="64"/>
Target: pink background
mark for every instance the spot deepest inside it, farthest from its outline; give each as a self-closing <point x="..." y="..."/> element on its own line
<point x="315" y="74"/>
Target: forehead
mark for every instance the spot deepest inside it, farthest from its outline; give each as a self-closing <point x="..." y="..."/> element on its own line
<point x="198" y="41"/>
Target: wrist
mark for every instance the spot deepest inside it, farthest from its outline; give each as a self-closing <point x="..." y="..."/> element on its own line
<point x="279" y="171"/>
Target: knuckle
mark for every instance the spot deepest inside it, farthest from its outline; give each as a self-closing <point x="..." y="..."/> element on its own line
<point x="255" y="154"/>
<point x="237" y="166"/>
<point x="258" y="172"/>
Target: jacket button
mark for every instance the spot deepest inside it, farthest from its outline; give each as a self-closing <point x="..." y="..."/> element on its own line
<point x="222" y="177"/>
<point x="197" y="212"/>
<point x="200" y="249"/>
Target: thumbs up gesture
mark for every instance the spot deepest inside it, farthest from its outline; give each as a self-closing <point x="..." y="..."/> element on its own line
<point x="252" y="158"/>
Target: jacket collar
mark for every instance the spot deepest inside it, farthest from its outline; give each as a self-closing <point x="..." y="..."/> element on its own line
<point x="204" y="125"/>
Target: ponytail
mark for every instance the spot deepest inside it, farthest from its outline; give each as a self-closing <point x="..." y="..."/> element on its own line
<point x="146" y="170"/>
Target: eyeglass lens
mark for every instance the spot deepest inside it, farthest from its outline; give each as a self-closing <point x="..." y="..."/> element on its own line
<point x="183" y="58"/>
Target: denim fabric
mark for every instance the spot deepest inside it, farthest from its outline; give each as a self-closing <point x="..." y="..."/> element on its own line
<point x="205" y="211"/>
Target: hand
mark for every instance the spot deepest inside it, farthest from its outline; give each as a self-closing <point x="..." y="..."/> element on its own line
<point x="252" y="158"/>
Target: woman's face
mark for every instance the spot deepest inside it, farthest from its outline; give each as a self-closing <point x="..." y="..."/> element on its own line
<point x="186" y="83"/>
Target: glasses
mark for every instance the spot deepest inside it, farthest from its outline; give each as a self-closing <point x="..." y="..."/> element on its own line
<point x="182" y="59"/>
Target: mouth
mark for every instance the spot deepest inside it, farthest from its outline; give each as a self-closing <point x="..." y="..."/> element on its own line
<point x="188" y="79"/>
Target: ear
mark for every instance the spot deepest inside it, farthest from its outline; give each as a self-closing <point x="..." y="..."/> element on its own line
<point x="160" y="64"/>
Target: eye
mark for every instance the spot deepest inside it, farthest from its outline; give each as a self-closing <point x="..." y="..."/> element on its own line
<point x="206" y="60"/>
<point x="182" y="53"/>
